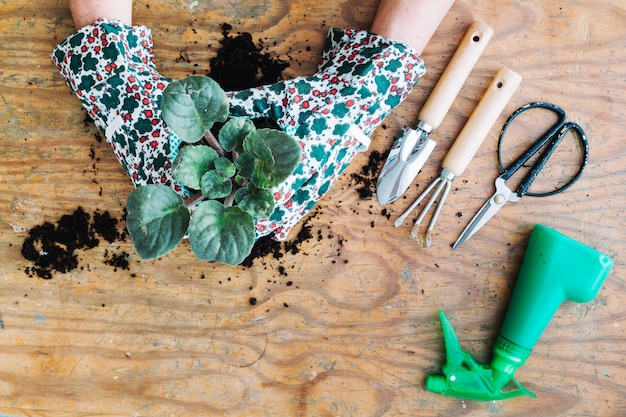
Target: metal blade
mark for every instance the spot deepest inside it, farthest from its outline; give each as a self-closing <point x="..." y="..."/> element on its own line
<point x="406" y="159"/>
<point x="488" y="210"/>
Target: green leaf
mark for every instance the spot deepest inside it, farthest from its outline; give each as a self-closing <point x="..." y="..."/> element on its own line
<point x="245" y="165"/>
<point x="191" y="163"/>
<point x="214" y="185"/>
<point x="277" y="155"/>
<point x="221" y="234"/>
<point x="191" y="105"/>
<point x="225" y="167"/>
<point x="240" y="181"/>
<point x="259" y="203"/>
<point x="233" y="133"/>
<point x="157" y="220"/>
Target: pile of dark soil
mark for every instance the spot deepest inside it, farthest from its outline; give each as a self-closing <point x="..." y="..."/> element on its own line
<point x="53" y="247"/>
<point x="240" y="64"/>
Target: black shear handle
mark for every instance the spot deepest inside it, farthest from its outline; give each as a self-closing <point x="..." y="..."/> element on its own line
<point x="552" y="138"/>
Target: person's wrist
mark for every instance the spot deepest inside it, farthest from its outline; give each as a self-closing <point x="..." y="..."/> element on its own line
<point x="86" y="12"/>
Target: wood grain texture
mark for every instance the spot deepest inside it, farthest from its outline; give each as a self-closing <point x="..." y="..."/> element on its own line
<point x="348" y="326"/>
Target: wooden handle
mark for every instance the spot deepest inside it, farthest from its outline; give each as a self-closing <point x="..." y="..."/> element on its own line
<point x="481" y="121"/>
<point x="469" y="50"/>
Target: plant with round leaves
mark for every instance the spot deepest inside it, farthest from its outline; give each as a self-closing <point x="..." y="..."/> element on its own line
<point x="232" y="176"/>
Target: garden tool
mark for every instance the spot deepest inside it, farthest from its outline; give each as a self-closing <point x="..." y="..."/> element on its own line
<point x="556" y="268"/>
<point x="465" y="146"/>
<point x="545" y="146"/>
<point x="412" y="147"/>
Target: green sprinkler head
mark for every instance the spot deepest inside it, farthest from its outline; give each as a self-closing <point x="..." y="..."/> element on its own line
<point x="555" y="268"/>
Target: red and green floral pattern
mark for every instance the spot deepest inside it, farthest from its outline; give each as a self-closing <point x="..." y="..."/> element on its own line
<point x="361" y="78"/>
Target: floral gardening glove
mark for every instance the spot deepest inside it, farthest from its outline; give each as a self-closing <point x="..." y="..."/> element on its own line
<point x="110" y="67"/>
<point x="361" y="78"/>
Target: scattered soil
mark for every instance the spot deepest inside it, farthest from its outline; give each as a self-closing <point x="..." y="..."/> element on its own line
<point x="367" y="177"/>
<point x="117" y="260"/>
<point x="266" y="245"/>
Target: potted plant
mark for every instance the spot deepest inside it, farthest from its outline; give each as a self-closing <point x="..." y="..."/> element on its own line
<point x="231" y="177"/>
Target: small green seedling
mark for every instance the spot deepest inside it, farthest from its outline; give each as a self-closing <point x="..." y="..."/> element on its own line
<point x="232" y="177"/>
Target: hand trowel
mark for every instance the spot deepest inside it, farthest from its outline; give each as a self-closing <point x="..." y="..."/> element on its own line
<point x="412" y="147"/>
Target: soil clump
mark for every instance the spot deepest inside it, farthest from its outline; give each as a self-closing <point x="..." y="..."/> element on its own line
<point x="240" y="64"/>
<point x="54" y="247"/>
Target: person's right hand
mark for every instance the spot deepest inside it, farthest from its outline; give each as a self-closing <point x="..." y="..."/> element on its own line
<point x="362" y="77"/>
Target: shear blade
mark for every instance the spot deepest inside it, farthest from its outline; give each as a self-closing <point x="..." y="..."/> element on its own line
<point x="487" y="211"/>
<point x="406" y="159"/>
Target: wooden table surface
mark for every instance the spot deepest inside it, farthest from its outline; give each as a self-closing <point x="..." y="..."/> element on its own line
<point x="347" y="325"/>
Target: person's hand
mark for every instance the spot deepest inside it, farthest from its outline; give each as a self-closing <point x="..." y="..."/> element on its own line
<point x="361" y="78"/>
<point x="110" y="66"/>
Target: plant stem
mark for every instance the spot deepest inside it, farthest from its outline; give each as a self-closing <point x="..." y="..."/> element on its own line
<point x="228" y="201"/>
<point x="191" y="201"/>
<point x="214" y="143"/>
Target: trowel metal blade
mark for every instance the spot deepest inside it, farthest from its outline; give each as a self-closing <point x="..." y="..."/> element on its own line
<point x="406" y="159"/>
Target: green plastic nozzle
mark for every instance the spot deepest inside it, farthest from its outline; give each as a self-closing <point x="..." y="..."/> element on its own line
<point x="555" y="268"/>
